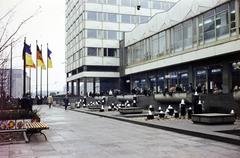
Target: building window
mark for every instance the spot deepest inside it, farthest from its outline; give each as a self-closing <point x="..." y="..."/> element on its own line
<point x="156" y="5"/>
<point x="112" y="52"/>
<point x="232" y="17"/>
<point x="187" y="34"/>
<point x="125" y="18"/>
<point x="178" y="38"/>
<point x="200" y="29"/>
<point x="209" y="26"/>
<point x="112" y="2"/>
<point x="144" y="3"/>
<point x="222" y="28"/>
<point x="112" y="17"/>
<point x="92" y="51"/>
<point x="143" y="19"/>
<point x="126" y="3"/>
<point x="162" y="43"/>
<point x="91" y="15"/>
<point x="91" y="1"/>
<point x="91" y="33"/>
<point x="112" y="35"/>
<point x="154" y="45"/>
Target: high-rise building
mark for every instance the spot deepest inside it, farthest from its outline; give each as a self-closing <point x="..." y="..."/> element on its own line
<point x="93" y="30"/>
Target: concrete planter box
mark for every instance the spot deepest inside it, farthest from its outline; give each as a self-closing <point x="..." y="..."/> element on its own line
<point x="213" y="118"/>
<point x="131" y="110"/>
<point x="174" y="98"/>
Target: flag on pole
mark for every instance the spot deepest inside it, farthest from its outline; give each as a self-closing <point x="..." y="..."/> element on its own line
<point x="40" y="62"/>
<point x="28" y="56"/>
<point x="49" y="60"/>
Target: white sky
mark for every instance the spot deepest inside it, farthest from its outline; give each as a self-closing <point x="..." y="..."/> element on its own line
<point x="46" y="27"/>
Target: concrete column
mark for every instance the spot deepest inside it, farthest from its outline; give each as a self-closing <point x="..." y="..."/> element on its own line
<point x="72" y="87"/>
<point x="165" y="79"/>
<point x="94" y="85"/>
<point x="85" y="86"/>
<point x="237" y="3"/>
<point x="226" y="78"/>
<point x="190" y="75"/>
<point x="67" y="90"/>
<point x="78" y="87"/>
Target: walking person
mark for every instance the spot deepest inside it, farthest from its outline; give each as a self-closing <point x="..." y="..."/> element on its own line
<point x="50" y="101"/>
<point x="66" y="101"/>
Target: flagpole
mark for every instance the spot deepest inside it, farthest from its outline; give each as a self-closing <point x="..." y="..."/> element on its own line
<point x="30" y="78"/>
<point x="36" y="72"/>
<point x="11" y="72"/>
<point x="47" y="69"/>
<point x="41" y="81"/>
<point x="24" y="69"/>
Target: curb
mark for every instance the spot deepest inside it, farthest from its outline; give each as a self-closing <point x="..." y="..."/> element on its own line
<point x="176" y="130"/>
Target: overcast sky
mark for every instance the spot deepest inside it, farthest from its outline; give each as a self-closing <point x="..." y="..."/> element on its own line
<point x="46" y="27"/>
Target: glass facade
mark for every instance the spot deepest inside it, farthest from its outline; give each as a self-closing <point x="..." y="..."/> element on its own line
<point x="207" y="28"/>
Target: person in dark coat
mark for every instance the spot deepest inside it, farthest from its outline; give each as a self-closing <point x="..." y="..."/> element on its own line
<point x="66" y="102"/>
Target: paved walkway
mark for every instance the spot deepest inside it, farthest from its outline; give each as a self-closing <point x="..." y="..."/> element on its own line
<point x="74" y="134"/>
<point x="183" y="126"/>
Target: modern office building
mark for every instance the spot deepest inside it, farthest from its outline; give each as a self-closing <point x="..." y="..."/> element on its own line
<point x="93" y="31"/>
<point x="195" y="43"/>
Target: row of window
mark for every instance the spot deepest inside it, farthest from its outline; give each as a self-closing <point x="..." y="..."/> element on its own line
<point x="103" y="34"/>
<point x="93" y="51"/>
<point x="213" y="25"/>
<point x="155" y="4"/>
<point x="75" y="43"/>
<point x="113" y="17"/>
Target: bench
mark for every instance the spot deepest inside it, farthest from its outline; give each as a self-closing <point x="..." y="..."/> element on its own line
<point x="34" y="128"/>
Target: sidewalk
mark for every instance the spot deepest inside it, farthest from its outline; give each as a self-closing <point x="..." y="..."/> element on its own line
<point x="182" y="126"/>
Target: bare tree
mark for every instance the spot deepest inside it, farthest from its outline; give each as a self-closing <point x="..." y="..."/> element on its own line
<point x="8" y="38"/>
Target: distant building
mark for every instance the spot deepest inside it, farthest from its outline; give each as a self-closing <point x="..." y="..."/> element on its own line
<point x="17" y="82"/>
<point x="93" y="30"/>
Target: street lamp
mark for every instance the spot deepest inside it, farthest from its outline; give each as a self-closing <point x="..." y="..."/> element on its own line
<point x="236" y="65"/>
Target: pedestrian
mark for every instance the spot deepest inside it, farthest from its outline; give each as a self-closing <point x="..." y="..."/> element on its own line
<point x="66" y="101"/>
<point x="50" y="101"/>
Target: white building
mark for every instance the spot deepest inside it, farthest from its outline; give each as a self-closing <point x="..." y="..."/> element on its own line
<point x="93" y="31"/>
<point x="195" y="43"/>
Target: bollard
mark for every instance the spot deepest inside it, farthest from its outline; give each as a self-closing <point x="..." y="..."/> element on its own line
<point x="161" y="114"/>
<point x="182" y="108"/>
<point x="101" y="109"/>
<point x="109" y="108"/>
<point x="151" y="108"/>
<point x="170" y="110"/>
<point x="150" y="115"/>
<point x="199" y="107"/>
<point x="176" y="114"/>
<point x="159" y="109"/>
<point x="134" y="103"/>
<point x="189" y="113"/>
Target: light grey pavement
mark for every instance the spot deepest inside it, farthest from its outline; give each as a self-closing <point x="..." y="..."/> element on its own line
<point x="74" y="134"/>
<point x="183" y="126"/>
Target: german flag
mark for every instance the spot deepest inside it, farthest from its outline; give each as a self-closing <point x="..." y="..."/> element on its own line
<point x="40" y="62"/>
